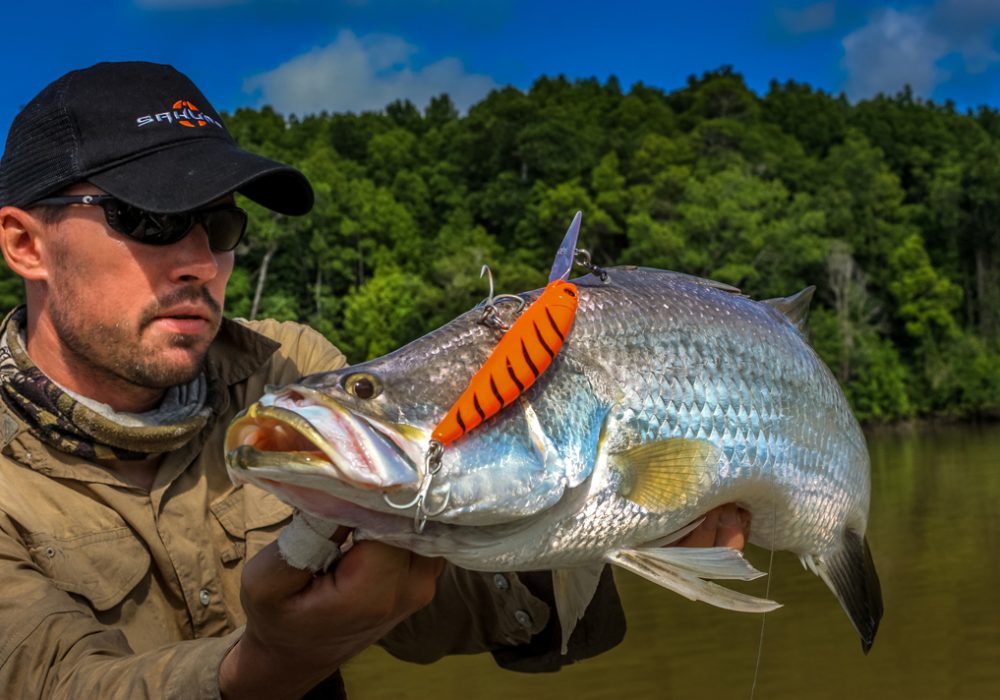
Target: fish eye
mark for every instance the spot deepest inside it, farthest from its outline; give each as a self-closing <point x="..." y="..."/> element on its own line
<point x="362" y="385"/>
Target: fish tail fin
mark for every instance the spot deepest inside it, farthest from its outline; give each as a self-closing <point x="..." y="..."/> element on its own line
<point x="850" y="574"/>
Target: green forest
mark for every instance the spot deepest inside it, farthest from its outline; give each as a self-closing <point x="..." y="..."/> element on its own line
<point x="890" y="206"/>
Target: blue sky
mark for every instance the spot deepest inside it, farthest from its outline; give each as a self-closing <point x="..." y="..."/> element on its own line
<point x="303" y="56"/>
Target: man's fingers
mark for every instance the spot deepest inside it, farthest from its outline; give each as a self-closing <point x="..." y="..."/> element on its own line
<point x="397" y="574"/>
<point x="382" y="584"/>
<point x="734" y="527"/>
<point x="704" y="534"/>
<point x="724" y="526"/>
<point x="370" y="563"/>
<point x="340" y="534"/>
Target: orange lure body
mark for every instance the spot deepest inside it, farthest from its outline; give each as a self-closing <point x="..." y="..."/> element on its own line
<point x="523" y="353"/>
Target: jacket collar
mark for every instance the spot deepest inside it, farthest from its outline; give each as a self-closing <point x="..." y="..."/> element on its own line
<point x="238" y="351"/>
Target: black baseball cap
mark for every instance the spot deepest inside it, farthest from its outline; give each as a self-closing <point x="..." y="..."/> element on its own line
<point x="143" y="133"/>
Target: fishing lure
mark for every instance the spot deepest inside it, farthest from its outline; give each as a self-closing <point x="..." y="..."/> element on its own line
<point x="525" y="350"/>
<point x="523" y="353"/>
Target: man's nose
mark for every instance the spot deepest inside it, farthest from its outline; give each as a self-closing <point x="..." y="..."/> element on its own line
<point x="193" y="257"/>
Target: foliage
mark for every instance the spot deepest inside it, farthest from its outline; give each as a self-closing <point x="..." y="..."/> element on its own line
<point x="891" y="207"/>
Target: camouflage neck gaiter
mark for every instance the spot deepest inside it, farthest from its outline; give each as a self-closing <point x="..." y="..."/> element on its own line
<point x="87" y="428"/>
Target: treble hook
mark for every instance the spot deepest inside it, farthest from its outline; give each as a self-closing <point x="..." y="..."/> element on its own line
<point x="432" y="465"/>
<point x="490" y="316"/>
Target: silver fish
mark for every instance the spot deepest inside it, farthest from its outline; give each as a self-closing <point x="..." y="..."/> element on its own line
<point x="671" y="395"/>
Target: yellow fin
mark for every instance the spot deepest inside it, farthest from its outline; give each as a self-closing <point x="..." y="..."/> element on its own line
<point x="665" y="475"/>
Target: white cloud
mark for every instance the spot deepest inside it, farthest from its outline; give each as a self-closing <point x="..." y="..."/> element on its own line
<point x="806" y="20"/>
<point x="971" y="26"/>
<point x="894" y="50"/>
<point x="898" y="48"/>
<point x="358" y="74"/>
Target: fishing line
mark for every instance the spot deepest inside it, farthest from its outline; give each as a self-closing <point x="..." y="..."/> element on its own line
<point x="763" y="618"/>
<point x="767" y="586"/>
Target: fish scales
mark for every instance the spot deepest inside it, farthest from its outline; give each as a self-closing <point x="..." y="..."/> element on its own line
<point x="671" y="395"/>
<point x="688" y="358"/>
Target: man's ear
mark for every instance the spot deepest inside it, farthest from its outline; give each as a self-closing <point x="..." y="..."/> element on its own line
<point x="21" y="244"/>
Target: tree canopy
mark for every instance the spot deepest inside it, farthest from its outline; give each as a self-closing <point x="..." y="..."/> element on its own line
<point x="891" y="207"/>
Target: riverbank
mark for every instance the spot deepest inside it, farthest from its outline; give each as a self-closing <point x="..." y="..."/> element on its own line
<point x="911" y="425"/>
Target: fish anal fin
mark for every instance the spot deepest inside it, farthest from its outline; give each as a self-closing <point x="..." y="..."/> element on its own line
<point x="667" y="474"/>
<point x="850" y="574"/>
<point x="706" y="562"/>
<point x="680" y="578"/>
<point x="573" y="590"/>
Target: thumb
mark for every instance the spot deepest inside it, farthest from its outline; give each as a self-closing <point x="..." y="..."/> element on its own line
<point x="267" y="576"/>
<point x="311" y="543"/>
<point x="273" y="574"/>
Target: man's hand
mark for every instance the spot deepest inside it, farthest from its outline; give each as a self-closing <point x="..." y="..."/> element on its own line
<point x="725" y="526"/>
<point x="301" y="627"/>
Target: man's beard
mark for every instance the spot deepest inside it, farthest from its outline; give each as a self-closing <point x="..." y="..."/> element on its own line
<point x="116" y="350"/>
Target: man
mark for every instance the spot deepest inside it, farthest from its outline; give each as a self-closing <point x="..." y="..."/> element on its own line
<point x="129" y="564"/>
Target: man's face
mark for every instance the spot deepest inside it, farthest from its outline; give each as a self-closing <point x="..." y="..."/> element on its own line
<point x="130" y="311"/>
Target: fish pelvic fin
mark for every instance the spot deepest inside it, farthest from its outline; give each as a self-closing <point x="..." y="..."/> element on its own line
<point x="573" y="590"/>
<point x="850" y="574"/>
<point x="664" y="475"/>
<point x="795" y="307"/>
<point x="683" y="570"/>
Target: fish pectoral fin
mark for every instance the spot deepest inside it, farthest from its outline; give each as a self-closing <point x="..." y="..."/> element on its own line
<point x="850" y="574"/>
<point x="684" y="574"/>
<point x="663" y="475"/>
<point x="573" y="590"/>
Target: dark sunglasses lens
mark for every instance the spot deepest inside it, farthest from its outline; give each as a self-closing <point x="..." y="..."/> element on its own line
<point x="162" y="229"/>
<point x="225" y="227"/>
<point x="123" y="218"/>
<point x="142" y="226"/>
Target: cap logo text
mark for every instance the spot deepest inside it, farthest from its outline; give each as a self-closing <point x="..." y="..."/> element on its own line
<point x="182" y="112"/>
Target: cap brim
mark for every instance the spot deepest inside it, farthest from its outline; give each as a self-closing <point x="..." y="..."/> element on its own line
<point x="197" y="172"/>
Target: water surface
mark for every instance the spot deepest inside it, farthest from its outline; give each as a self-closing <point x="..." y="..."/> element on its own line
<point x="936" y="541"/>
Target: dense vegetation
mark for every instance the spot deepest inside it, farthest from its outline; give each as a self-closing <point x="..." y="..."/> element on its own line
<point x="891" y="207"/>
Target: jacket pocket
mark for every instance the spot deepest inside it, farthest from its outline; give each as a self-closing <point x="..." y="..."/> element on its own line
<point x="251" y="518"/>
<point x="102" y="567"/>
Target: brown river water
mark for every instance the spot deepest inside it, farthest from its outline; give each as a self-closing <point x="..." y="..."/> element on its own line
<point x="935" y="535"/>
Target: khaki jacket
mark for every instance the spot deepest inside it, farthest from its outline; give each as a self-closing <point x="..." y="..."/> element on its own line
<point x="111" y="591"/>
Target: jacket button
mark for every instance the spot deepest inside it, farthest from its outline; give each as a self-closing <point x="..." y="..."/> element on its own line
<point x="500" y="581"/>
<point x="204" y="597"/>
<point x="523" y="618"/>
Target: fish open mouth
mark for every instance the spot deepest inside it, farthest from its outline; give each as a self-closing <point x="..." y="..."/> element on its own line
<point x="296" y="437"/>
<point x="276" y="430"/>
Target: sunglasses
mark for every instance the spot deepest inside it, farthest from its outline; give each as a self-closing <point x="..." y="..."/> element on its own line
<point x="225" y="225"/>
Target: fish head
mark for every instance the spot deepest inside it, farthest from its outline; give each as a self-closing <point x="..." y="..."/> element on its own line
<point x="362" y="434"/>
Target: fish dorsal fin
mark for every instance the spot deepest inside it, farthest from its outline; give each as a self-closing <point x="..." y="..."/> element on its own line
<point x="795" y="307"/>
<point x="573" y="590"/>
<point x="664" y="475"/>
<point x="683" y="570"/>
